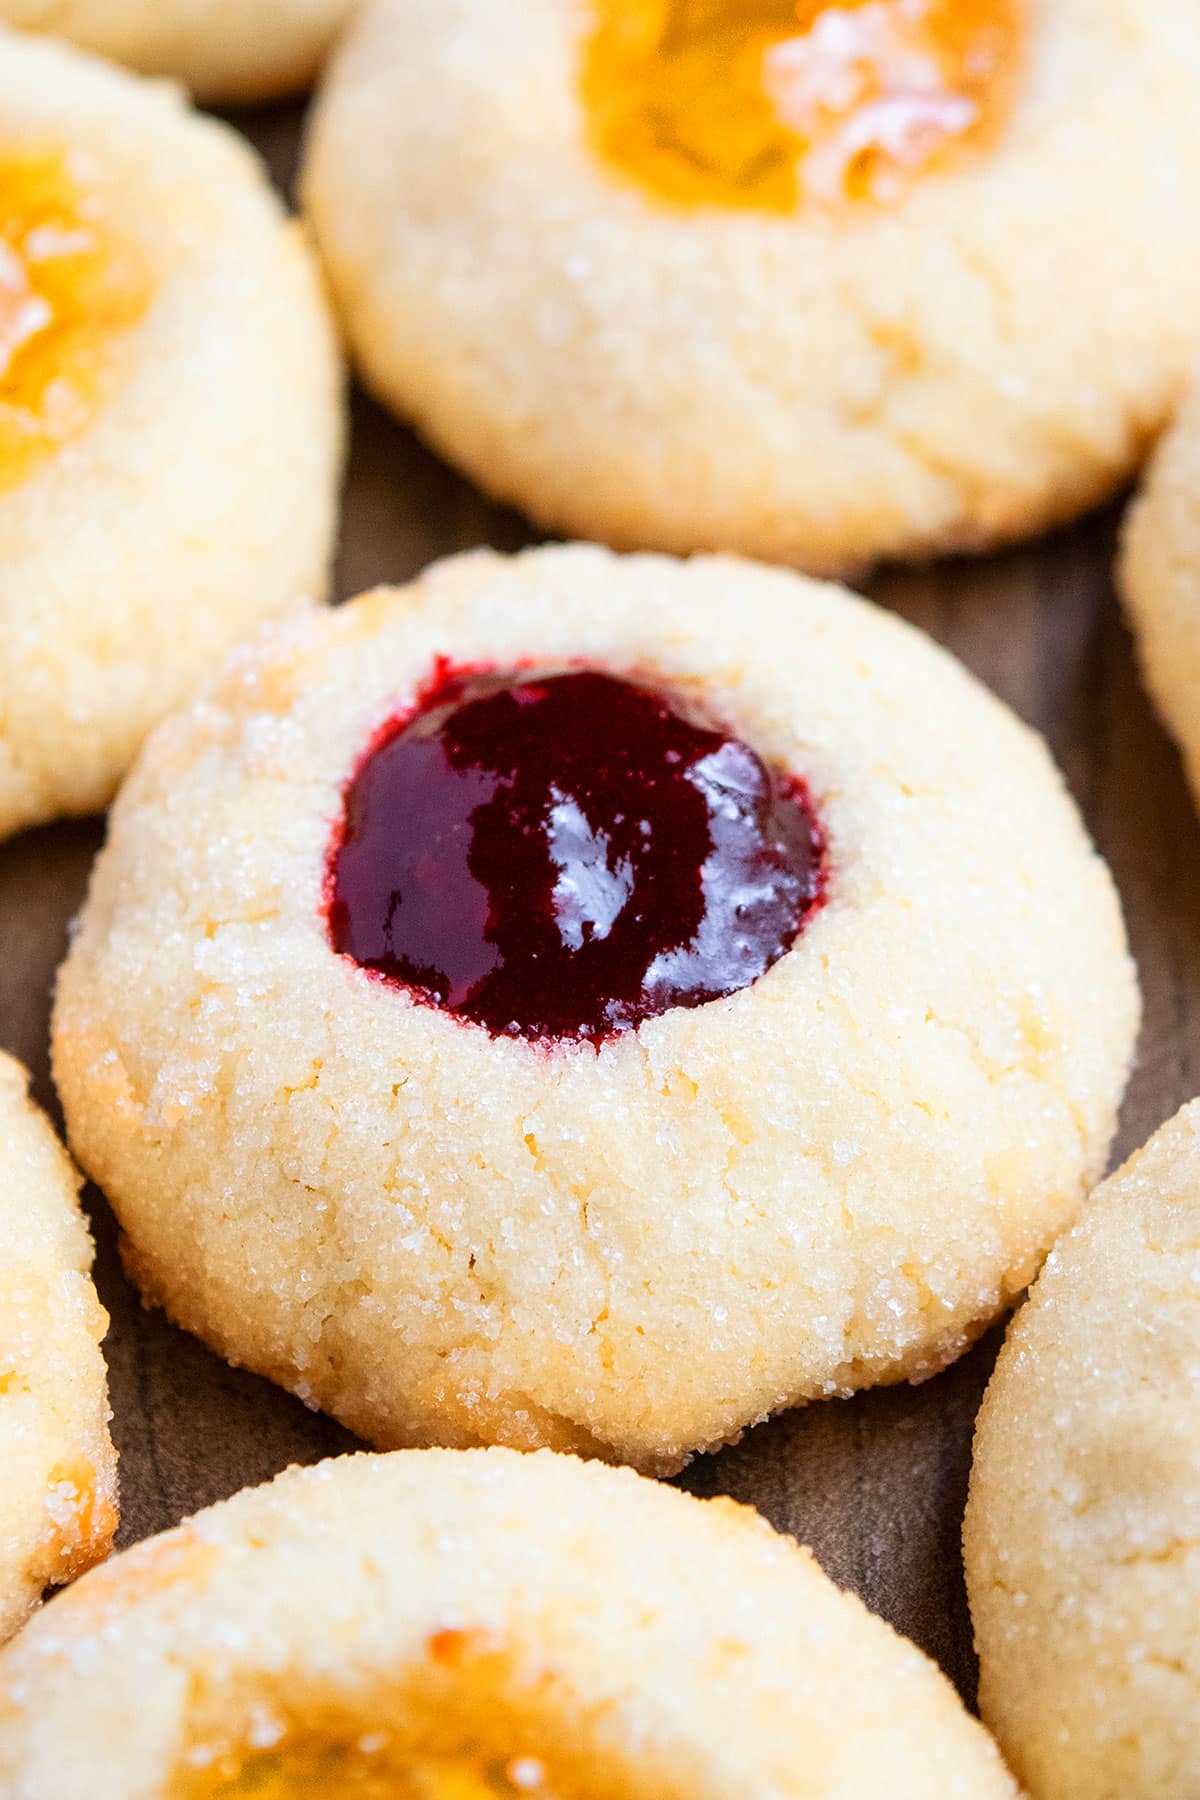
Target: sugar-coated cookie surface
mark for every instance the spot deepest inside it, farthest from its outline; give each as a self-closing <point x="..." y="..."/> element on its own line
<point x="231" y="50"/>
<point x="1083" y="1564"/>
<point x="832" y="1177"/>
<point x="472" y="1625"/>
<point x="1160" y="580"/>
<point x="58" y="1479"/>
<point x="960" y="364"/>
<point x="169" y="417"/>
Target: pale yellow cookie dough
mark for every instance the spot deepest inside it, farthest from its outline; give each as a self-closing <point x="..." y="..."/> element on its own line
<point x="1160" y="581"/>
<point x="988" y="355"/>
<point x="58" y="1476"/>
<point x="234" y="50"/>
<point x="834" y="1177"/>
<point x="1082" y="1544"/>
<point x="466" y="1626"/>
<point x="185" y="486"/>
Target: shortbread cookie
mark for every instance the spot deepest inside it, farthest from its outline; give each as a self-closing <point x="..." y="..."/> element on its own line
<point x="469" y="1626"/>
<point x="169" y="417"/>
<point x="1160" y="581"/>
<point x="593" y="1002"/>
<point x="58" y="1479"/>
<point x="815" y="282"/>
<point x="1082" y="1548"/>
<point x="222" y="49"/>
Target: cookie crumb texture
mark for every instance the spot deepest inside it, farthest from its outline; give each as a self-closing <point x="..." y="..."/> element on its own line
<point x="440" y="1625"/>
<point x="1160" y="581"/>
<point x="170" y="417"/>
<point x="834" y="1177"/>
<point x="58" y="1482"/>
<point x="222" y="50"/>
<point x="960" y="367"/>
<point x="1082" y="1552"/>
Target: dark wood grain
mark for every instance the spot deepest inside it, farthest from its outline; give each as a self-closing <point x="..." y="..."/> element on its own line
<point x="876" y="1485"/>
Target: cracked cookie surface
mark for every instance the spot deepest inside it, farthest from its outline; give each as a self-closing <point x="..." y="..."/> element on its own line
<point x="476" y="1626"/>
<point x="58" y="1485"/>
<point x="832" y="1177"/>
<point x="1081" y="1537"/>
<point x="222" y="50"/>
<point x="170" y="417"/>
<point x="957" y="367"/>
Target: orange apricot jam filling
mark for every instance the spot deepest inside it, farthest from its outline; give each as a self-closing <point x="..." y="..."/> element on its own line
<point x="81" y="1516"/>
<point x="768" y="104"/>
<point x="65" y="292"/>
<point x="370" y="1767"/>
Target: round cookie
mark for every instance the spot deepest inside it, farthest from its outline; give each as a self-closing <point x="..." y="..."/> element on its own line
<point x="487" y="1213"/>
<point x="1083" y="1564"/>
<point x="474" y="1625"/>
<point x="169" y="417"/>
<point x="58" y="1469"/>
<point x="636" y="348"/>
<point x="224" y="50"/>
<point x="1159" y="577"/>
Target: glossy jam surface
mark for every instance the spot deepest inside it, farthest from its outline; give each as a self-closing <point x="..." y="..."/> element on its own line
<point x="65" y="290"/>
<point x="560" y="856"/>
<point x="770" y="103"/>
<point x="313" y="1767"/>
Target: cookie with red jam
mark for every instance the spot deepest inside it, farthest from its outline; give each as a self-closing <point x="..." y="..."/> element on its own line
<point x="170" y="417"/>
<point x="593" y="1002"/>
<point x="820" y="281"/>
<point x="441" y="1625"/>
<point x="58" y="1468"/>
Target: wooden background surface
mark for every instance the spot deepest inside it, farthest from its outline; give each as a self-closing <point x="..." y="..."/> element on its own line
<point x="876" y="1484"/>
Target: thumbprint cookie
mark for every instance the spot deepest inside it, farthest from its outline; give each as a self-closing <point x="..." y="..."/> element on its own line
<point x="58" y="1478"/>
<point x="169" y="417"/>
<point x="815" y="282"/>
<point x="1082" y="1552"/>
<point x="594" y="1003"/>
<point x="223" y="50"/>
<point x="476" y="1625"/>
<point x="1160" y="581"/>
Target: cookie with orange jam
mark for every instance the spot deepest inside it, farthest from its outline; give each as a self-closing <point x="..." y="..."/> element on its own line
<point x="593" y="1003"/>
<point x="820" y="283"/>
<point x="169" y="417"/>
<point x="440" y="1625"/>
<point x="223" y="50"/>
<point x="58" y="1486"/>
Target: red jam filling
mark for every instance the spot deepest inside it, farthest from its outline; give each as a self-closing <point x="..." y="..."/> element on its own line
<point x="562" y="855"/>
